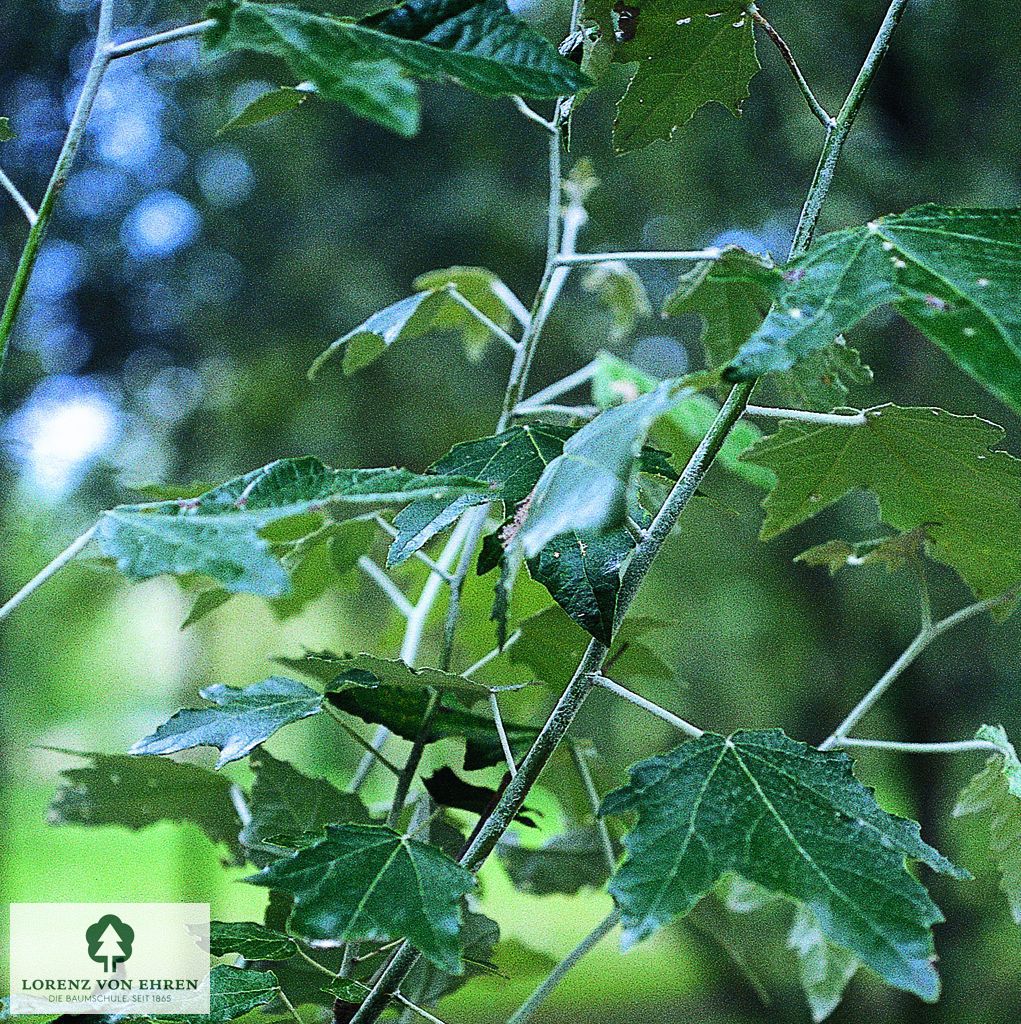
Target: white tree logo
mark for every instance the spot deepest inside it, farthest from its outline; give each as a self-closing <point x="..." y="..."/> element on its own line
<point x="109" y="941"/>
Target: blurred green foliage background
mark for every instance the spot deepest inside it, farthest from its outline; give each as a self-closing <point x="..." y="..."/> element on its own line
<point x="190" y="279"/>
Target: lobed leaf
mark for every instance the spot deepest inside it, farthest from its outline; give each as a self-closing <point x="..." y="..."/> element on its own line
<point x="566" y="863"/>
<point x="370" y="882"/>
<point x="250" y="940"/>
<point x="237" y="721"/>
<point x="953" y="273"/>
<point x="689" y="53"/>
<point x="792" y="819"/>
<point x="825" y="969"/>
<point x="996" y="792"/>
<point x="928" y="468"/>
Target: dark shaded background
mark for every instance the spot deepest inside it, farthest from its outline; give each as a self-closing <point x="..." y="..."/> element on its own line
<point x="190" y="278"/>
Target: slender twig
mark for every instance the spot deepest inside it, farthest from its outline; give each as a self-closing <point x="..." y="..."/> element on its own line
<point x="407" y="773"/>
<point x="647" y="705"/>
<point x="926" y="635"/>
<point x="578" y="412"/>
<point x="126" y="49"/>
<point x="20" y="201"/>
<point x="539" y="996"/>
<point x="837" y="135"/>
<point x="955" y="747"/>
<point x="581" y="259"/>
<point x="415" y="1008"/>
<point x="528" y="112"/>
<point x="609" y="854"/>
<point x="785" y="51"/>
<point x="54" y="567"/>
<point x="387" y="585"/>
<point x="61" y="171"/>
<point x="312" y="962"/>
<point x="493" y="654"/>
<point x="508" y="754"/>
<point x="490" y="325"/>
<point x="371" y="751"/>
<point x="562" y="386"/>
<point x="289" y="1005"/>
<point x="822" y="419"/>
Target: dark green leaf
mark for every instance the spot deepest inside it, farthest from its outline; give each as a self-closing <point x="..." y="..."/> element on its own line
<point x="689" y="53"/>
<point x="290" y="809"/>
<point x="117" y="789"/>
<point x="233" y="992"/>
<point x="954" y="274"/>
<point x="926" y="467"/>
<point x="893" y="552"/>
<point x="563" y="864"/>
<point x="448" y="789"/>
<point x="320" y="49"/>
<point x="269" y="105"/>
<point x="218" y="533"/>
<point x="369" y="882"/>
<point x="237" y="721"/>
<point x="249" y="940"/>
<point x="996" y="792"/>
<point x="792" y="819"/>
<point x="427" y="984"/>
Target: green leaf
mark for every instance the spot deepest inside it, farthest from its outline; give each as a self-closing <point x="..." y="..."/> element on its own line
<point x="250" y="940"/>
<point x="6" y="134"/>
<point x="269" y="105"/>
<point x="510" y="463"/>
<point x="926" y="467"/>
<point x="288" y="808"/>
<point x="402" y="707"/>
<point x="319" y="49"/>
<point x="448" y="789"/>
<point x="551" y="645"/>
<point x="218" y="533"/>
<point x="237" y="721"/>
<point x="479" y="43"/>
<point x="825" y="969"/>
<point x="893" y="552"/>
<point x="732" y="295"/>
<point x="620" y="290"/>
<point x="563" y="864"/>
<point x="952" y="273"/>
<point x="996" y="792"/>
<point x="681" y="430"/>
<point x="796" y="821"/>
<point x="427" y="984"/>
<point x="233" y="992"/>
<point x="588" y="486"/>
<point x="438" y="309"/>
<point x="689" y="53"/>
<point x="370" y="882"/>
<point x="485" y="293"/>
<point x="117" y="789"/>
<point x="347" y="990"/>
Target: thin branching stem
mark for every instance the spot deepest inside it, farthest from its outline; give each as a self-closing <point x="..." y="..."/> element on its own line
<point x="282" y="996"/>
<point x="926" y="635"/>
<point x="415" y="1008"/>
<point x="58" y="563"/>
<point x="822" y="419"/>
<point x="560" y="387"/>
<point x="19" y="200"/>
<point x="126" y="49"/>
<point x="493" y="654"/>
<point x="542" y="993"/>
<point x="526" y="111"/>
<point x="414" y="759"/>
<point x="508" y="754"/>
<point x="785" y="51"/>
<point x="387" y="585"/>
<point x="651" y="706"/>
<point x="953" y="747"/>
<point x="577" y="412"/>
<point x="578" y="755"/>
<point x="371" y="751"/>
<point x="392" y="531"/>
<point x="582" y="259"/>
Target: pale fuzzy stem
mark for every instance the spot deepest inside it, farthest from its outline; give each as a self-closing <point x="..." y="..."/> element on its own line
<point x="486" y="322"/>
<point x="609" y="854"/>
<point x="955" y="747"/>
<point x="54" y="567"/>
<point x="372" y="751"/>
<point x="125" y="49"/>
<point x="493" y="654"/>
<point x="387" y="585"/>
<point x="528" y="112"/>
<point x="290" y="1006"/>
<point x="562" y="386"/>
<point x="20" y="201"/>
<point x="415" y="1008"/>
<point x="542" y="993"/>
<point x="822" y="419"/>
<point x="582" y="259"/>
<point x="925" y="637"/>
<point x="578" y="412"/>
<point x="508" y="754"/>
<point x="785" y="51"/>
<point x="647" y="705"/>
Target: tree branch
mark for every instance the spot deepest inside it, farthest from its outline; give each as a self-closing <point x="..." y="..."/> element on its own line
<point x="117" y="50"/>
<point x="54" y="567"/>
<point x="19" y="200"/>
<point x="955" y="747"/>
<point x="647" y="705"/>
